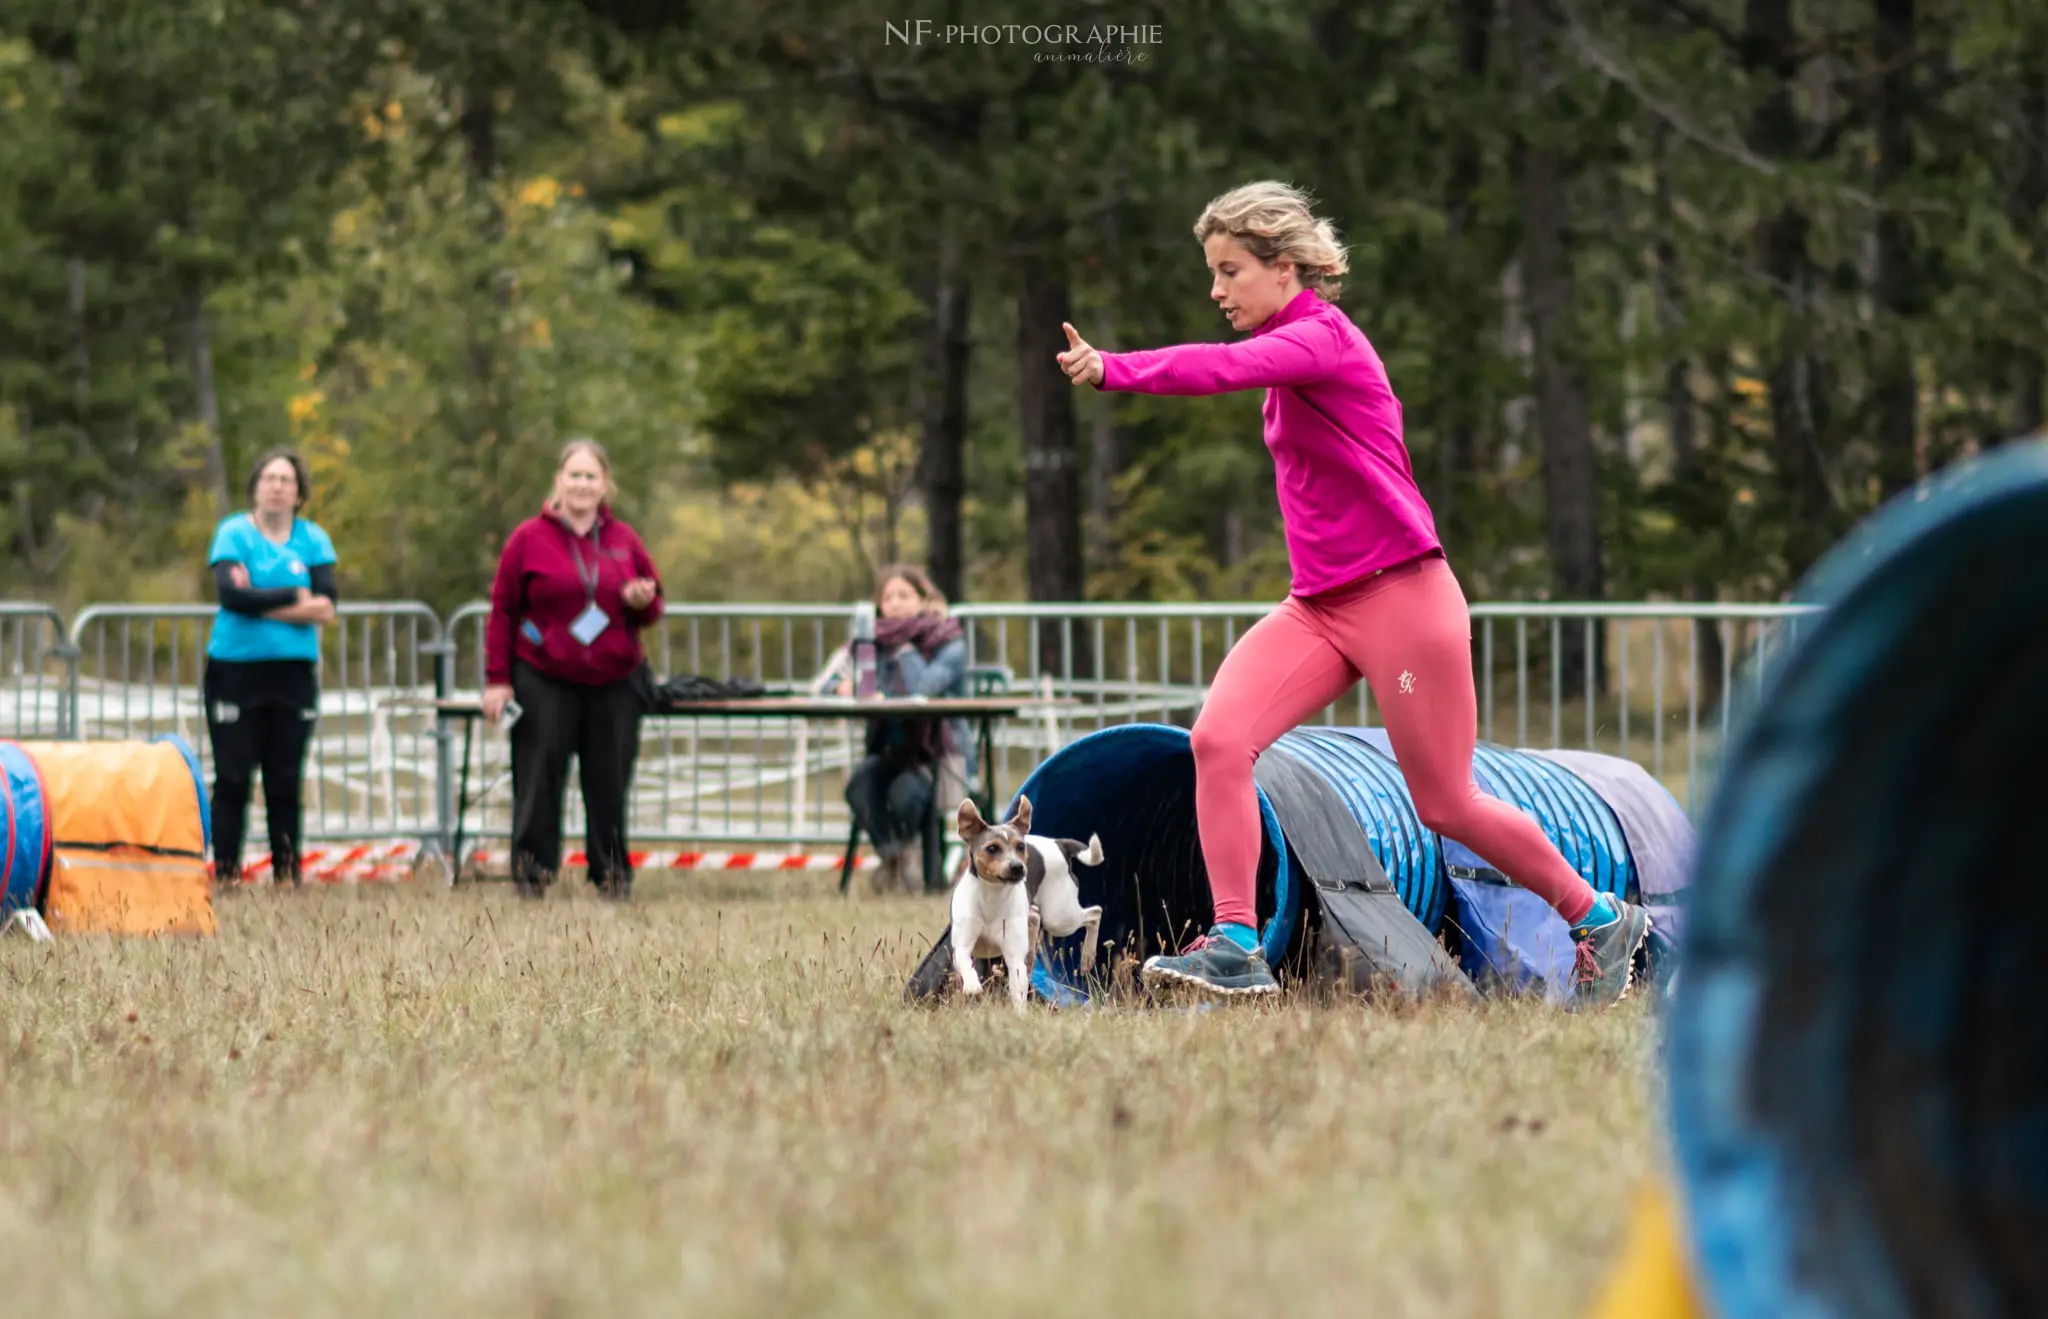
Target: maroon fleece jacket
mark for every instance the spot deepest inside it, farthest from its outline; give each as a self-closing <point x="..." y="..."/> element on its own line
<point x="538" y="589"/>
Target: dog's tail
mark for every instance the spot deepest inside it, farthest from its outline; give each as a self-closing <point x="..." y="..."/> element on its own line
<point x="1093" y="856"/>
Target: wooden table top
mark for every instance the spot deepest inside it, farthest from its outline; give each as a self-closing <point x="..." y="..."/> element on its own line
<point x="806" y="707"/>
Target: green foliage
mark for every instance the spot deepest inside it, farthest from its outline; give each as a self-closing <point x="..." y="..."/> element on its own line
<point x="374" y="363"/>
<point x="428" y="240"/>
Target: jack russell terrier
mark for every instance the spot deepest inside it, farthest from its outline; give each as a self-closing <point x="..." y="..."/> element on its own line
<point x="1018" y="885"/>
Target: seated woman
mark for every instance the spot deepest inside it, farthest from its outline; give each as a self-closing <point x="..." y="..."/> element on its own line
<point x="920" y="651"/>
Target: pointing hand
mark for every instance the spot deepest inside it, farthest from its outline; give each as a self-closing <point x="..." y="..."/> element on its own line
<point x="1082" y="363"/>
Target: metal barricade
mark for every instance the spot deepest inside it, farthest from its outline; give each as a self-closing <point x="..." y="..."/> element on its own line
<point x="702" y="779"/>
<point x="1663" y="682"/>
<point x="374" y="771"/>
<point x="35" y="701"/>
<point x="1662" y="678"/>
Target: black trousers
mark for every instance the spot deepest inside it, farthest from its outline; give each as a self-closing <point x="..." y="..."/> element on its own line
<point x="259" y="716"/>
<point x="600" y="727"/>
<point x="890" y="800"/>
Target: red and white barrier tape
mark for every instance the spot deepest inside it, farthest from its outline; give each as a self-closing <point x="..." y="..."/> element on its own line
<point x="359" y="863"/>
<point x="703" y="860"/>
<point x="390" y="862"/>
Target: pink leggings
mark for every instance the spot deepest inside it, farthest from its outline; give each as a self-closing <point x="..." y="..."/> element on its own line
<point x="1408" y="633"/>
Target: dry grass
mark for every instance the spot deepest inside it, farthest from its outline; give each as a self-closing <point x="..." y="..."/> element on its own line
<point x="712" y="1102"/>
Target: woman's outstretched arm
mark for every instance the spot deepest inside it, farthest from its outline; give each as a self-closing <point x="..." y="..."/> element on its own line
<point x="1296" y="354"/>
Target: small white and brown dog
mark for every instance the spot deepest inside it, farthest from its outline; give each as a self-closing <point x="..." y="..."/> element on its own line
<point x="1018" y="885"/>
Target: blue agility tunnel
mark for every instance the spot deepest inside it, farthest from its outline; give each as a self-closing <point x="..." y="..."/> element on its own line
<point x="25" y="865"/>
<point x="69" y="802"/>
<point x="1133" y="785"/>
<point x="1858" y="1053"/>
<point x="1621" y="829"/>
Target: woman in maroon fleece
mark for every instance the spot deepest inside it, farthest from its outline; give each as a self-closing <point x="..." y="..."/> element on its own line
<point x="574" y="588"/>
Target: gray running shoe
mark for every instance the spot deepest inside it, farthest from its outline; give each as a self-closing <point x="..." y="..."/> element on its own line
<point x="1214" y="964"/>
<point x="1605" y="962"/>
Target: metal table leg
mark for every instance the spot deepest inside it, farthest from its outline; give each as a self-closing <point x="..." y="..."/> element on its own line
<point x="988" y="763"/>
<point x="462" y="797"/>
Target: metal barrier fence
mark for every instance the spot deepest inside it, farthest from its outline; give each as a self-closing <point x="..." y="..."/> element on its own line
<point x="1653" y="682"/>
<point x="376" y="770"/>
<point x="1663" y="678"/>
<point x="36" y="699"/>
<point x="708" y="780"/>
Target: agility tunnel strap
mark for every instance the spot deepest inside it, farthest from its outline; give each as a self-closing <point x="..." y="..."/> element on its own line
<point x="134" y="847"/>
<point x="1363" y="938"/>
<point x="928" y="981"/>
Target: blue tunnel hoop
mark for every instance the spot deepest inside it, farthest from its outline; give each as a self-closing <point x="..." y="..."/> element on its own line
<point x="25" y="866"/>
<point x="1064" y="792"/>
<point x="1858" y="1073"/>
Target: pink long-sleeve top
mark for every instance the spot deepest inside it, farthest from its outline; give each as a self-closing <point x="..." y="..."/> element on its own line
<point x="1348" y="496"/>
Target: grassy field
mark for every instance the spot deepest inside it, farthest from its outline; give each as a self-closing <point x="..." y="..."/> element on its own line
<point x="421" y="1102"/>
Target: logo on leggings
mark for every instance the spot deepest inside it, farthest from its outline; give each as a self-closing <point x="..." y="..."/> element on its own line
<point x="1407" y="682"/>
<point x="226" y="712"/>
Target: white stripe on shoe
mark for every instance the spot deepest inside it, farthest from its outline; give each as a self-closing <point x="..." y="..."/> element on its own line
<point x="1154" y="974"/>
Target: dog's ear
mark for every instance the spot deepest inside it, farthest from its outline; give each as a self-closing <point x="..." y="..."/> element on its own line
<point x="970" y="820"/>
<point x="1021" y="819"/>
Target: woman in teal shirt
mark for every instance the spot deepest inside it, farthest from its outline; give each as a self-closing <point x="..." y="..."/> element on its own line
<point x="274" y="571"/>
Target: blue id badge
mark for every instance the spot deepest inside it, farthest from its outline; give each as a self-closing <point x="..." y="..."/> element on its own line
<point x="590" y="624"/>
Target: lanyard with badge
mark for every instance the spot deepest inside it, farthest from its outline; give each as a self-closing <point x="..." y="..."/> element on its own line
<point x="591" y="623"/>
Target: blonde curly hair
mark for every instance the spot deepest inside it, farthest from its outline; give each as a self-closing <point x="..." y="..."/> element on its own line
<point x="1275" y="221"/>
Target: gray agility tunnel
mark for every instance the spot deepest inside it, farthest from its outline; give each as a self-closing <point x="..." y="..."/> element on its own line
<point x="1858" y="1047"/>
<point x="1339" y="824"/>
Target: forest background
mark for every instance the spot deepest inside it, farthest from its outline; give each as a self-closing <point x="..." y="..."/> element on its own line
<point x="1672" y="291"/>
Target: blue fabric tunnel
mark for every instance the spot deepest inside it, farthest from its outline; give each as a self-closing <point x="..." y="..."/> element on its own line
<point x="1133" y="785"/>
<point x="25" y="864"/>
<point x="1858" y="1055"/>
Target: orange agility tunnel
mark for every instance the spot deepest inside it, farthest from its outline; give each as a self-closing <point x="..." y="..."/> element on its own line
<point x="107" y="837"/>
